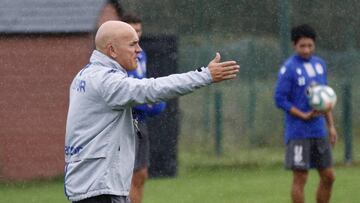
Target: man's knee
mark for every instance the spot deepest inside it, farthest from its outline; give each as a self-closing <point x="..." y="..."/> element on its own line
<point x="300" y="177"/>
<point x="327" y="176"/>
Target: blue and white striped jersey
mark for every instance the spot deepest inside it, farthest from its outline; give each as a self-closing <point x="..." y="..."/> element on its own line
<point x="294" y="77"/>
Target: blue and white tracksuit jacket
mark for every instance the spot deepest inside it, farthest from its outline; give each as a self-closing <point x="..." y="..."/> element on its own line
<point x="100" y="137"/>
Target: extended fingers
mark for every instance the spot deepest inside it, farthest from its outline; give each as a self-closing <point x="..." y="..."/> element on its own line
<point x="227" y="74"/>
<point x="223" y="70"/>
<point x="228" y="77"/>
<point x="231" y="72"/>
<point x="228" y="70"/>
<point x="231" y="67"/>
<point x="227" y="63"/>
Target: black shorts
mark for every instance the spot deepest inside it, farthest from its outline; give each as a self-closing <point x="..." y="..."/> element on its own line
<point x="142" y="147"/>
<point x="303" y="154"/>
<point x="105" y="199"/>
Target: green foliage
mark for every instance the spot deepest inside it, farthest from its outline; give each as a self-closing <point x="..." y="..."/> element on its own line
<point x="335" y="21"/>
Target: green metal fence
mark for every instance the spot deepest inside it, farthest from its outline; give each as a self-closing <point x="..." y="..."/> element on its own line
<point x="256" y="34"/>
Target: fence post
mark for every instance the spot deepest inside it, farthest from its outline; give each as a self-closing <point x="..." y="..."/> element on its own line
<point x="347" y="107"/>
<point x="284" y="24"/>
<point x="206" y="109"/>
<point x="218" y="123"/>
<point x="347" y="123"/>
<point x="252" y="95"/>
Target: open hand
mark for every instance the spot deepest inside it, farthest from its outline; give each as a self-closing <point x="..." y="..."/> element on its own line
<point x="222" y="70"/>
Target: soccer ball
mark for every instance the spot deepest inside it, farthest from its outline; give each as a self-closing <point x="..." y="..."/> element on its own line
<point x="321" y="97"/>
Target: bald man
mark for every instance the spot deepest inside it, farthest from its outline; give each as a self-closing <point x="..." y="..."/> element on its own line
<point x="100" y="132"/>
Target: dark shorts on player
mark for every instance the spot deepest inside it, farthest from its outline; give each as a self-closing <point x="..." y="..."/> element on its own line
<point x="142" y="147"/>
<point x="303" y="154"/>
<point x="105" y="199"/>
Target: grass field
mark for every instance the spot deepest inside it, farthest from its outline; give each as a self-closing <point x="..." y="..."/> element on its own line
<point x="209" y="179"/>
<point x="246" y="185"/>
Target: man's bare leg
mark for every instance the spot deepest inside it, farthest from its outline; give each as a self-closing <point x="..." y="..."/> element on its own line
<point x="137" y="185"/>
<point x="299" y="181"/>
<point x="327" y="178"/>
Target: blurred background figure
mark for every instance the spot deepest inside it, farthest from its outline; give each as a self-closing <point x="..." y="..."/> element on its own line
<point x="140" y="113"/>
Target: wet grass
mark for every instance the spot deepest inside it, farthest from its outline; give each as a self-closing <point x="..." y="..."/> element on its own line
<point x="39" y="191"/>
<point x="208" y="179"/>
<point x="250" y="184"/>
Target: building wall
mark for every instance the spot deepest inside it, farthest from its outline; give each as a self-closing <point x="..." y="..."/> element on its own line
<point x="35" y="74"/>
<point x="108" y="13"/>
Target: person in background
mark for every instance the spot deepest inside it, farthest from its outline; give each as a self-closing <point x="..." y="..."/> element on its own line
<point x="100" y="134"/>
<point x="306" y="130"/>
<point x="140" y="113"/>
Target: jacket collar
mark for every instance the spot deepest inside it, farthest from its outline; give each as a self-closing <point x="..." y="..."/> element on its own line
<point x="99" y="58"/>
<point x="299" y="58"/>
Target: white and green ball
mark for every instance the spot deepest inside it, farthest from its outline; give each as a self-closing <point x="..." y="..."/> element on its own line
<point x="321" y="97"/>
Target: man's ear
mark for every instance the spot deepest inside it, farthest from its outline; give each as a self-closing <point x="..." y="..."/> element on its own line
<point x="111" y="51"/>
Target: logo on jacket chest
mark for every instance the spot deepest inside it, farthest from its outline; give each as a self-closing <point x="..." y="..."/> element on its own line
<point x="72" y="150"/>
<point x="309" y="73"/>
<point x="79" y="85"/>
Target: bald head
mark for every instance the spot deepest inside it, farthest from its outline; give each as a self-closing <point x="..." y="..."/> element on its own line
<point x="119" y="41"/>
<point x="110" y="31"/>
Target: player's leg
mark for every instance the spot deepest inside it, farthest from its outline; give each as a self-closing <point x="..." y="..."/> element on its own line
<point x="137" y="185"/>
<point x="142" y="157"/>
<point x="297" y="159"/>
<point x="327" y="178"/>
<point x="298" y="185"/>
<point x="322" y="160"/>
